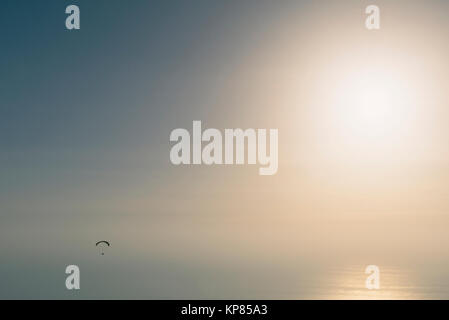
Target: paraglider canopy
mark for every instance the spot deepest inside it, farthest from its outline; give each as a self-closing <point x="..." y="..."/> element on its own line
<point x="103" y="241"/>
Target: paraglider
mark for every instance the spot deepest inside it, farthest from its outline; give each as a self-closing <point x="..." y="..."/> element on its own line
<point x="102" y="244"/>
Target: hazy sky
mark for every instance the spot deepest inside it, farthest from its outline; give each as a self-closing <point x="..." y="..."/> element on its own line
<point x="85" y="119"/>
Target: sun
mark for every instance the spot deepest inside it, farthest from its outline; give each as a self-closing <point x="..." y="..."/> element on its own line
<point x="371" y="107"/>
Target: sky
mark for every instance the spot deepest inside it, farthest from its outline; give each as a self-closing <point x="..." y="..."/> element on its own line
<point x="85" y="120"/>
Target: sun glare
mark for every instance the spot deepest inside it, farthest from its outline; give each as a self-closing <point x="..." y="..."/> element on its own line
<point x="371" y="106"/>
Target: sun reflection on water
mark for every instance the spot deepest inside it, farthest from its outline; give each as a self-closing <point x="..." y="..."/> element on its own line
<point x="349" y="284"/>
